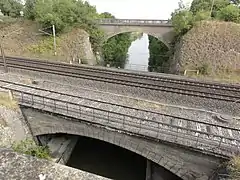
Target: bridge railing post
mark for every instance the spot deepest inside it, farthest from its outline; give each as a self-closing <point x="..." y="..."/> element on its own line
<point x="220" y="143"/>
<point x="79" y="110"/>
<point x="32" y="99"/>
<point x="197" y="140"/>
<point x="21" y="96"/>
<point x="43" y="102"/>
<point x="123" y="122"/>
<point x="54" y="101"/>
<point x="93" y="115"/>
<point x="140" y="126"/>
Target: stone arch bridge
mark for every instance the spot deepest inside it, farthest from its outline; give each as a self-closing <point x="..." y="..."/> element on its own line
<point x="161" y="29"/>
<point x="184" y="163"/>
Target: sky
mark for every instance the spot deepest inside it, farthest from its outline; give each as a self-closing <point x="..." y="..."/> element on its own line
<point x="137" y="9"/>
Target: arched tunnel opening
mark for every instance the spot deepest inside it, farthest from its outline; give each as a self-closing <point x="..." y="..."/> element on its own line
<point x="113" y="162"/>
<point x="136" y="51"/>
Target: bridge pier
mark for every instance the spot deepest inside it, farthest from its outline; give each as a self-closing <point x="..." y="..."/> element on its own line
<point x="60" y="147"/>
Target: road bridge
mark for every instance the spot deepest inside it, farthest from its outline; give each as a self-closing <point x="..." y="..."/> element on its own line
<point x="161" y="29"/>
<point x="188" y="153"/>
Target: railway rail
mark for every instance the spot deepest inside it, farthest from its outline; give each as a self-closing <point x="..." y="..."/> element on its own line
<point x="217" y="91"/>
<point x="202" y="133"/>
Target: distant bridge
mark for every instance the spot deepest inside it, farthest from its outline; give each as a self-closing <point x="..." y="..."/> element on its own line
<point x="161" y="29"/>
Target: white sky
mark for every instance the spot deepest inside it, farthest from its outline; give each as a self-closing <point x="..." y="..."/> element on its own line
<point x="139" y="9"/>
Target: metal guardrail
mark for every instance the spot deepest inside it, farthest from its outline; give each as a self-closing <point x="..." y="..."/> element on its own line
<point x="139" y="126"/>
<point x="133" y="21"/>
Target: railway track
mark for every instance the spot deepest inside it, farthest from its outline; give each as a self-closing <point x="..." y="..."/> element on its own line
<point x="215" y="91"/>
<point x="151" y="120"/>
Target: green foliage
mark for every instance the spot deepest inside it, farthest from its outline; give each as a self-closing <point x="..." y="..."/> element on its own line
<point x="44" y="46"/>
<point x="11" y="8"/>
<point x="204" y="69"/>
<point x="106" y="15"/>
<point x="29" y="10"/>
<point x="234" y="168"/>
<point x="201" y="15"/>
<point x="116" y="48"/>
<point x="205" y="5"/>
<point x="183" y="18"/>
<point x="229" y="13"/>
<point x="29" y="147"/>
<point x="66" y="14"/>
<point x="182" y="21"/>
<point x="159" y="55"/>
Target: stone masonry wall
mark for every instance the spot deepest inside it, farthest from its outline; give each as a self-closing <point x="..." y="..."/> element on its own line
<point x="187" y="164"/>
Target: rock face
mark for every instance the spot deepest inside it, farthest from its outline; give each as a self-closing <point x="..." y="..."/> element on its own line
<point x="22" y="167"/>
<point x="77" y="44"/>
<point x="12" y="127"/>
<point x="210" y="44"/>
<point x="26" y="41"/>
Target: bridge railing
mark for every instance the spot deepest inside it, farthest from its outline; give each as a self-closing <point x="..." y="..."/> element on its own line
<point x="132" y="21"/>
<point x="153" y="129"/>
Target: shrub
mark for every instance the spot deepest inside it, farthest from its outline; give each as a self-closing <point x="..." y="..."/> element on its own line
<point x="29" y="147"/>
<point x="234" y="168"/>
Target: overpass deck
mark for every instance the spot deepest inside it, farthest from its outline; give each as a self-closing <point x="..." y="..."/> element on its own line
<point x="161" y="127"/>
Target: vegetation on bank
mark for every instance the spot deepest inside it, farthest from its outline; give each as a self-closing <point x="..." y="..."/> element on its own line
<point x="29" y="147"/>
<point x="234" y="168"/>
<point x="7" y="102"/>
<point x="64" y="14"/>
<point x="206" y="35"/>
<point x="115" y="49"/>
<point x="159" y="56"/>
<point x="185" y="17"/>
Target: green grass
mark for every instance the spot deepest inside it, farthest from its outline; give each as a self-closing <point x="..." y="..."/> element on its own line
<point x="7" y="102"/>
<point x="233" y="77"/>
<point x="29" y="147"/>
<point x="44" y="46"/>
<point x="234" y="167"/>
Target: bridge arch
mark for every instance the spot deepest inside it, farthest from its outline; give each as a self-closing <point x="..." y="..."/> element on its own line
<point x="178" y="161"/>
<point x="164" y="33"/>
<point x="160" y="38"/>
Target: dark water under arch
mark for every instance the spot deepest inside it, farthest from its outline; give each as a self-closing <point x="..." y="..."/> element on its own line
<point x="113" y="162"/>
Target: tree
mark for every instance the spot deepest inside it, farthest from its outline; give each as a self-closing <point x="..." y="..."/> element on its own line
<point x="205" y="5"/>
<point x="182" y="21"/>
<point x="11" y="7"/>
<point x="229" y="13"/>
<point x="159" y="55"/>
<point x="29" y="9"/>
<point x="106" y="15"/>
<point x="116" y="48"/>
